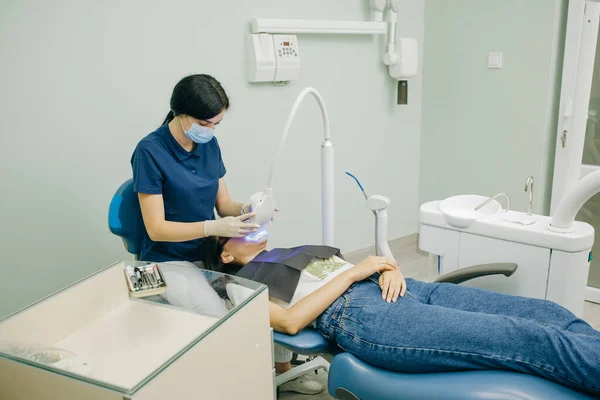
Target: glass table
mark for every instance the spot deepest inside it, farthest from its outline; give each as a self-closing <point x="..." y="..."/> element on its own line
<point x="93" y="340"/>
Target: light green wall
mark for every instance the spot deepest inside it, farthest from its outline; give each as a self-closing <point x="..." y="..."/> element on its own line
<point x="485" y="130"/>
<point x="82" y="82"/>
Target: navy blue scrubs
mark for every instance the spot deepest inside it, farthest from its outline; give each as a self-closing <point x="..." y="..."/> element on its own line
<point x="188" y="182"/>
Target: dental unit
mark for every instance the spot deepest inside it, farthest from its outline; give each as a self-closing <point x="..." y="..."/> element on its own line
<point x="553" y="253"/>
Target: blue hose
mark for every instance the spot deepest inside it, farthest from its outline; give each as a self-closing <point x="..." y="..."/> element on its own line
<point x="353" y="177"/>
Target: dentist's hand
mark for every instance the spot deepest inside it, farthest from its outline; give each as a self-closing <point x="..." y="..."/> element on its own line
<point x="246" y="208"/>
<point x="233" y="227"/>
<point x="392" y="284"/>
<point x="369" y="266"/>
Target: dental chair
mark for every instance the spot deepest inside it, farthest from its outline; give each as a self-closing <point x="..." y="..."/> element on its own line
<point x="352" y="379"/>
<point x="349" y="377"/>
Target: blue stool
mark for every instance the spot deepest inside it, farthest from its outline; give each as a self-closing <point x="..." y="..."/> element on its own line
<point x="125" y="218"/>
<point x="351" y="378"/>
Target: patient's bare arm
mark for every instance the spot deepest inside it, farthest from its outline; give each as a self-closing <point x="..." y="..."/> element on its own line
<point x="292" y="320"/>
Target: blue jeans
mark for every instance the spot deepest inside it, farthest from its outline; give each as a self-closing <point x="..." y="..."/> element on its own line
<point x="445" y="327"/>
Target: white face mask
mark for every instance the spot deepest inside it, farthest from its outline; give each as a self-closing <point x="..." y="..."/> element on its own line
<point x="198" y="133"/>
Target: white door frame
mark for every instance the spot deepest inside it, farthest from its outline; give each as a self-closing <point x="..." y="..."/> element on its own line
<point x="578" y="67"/>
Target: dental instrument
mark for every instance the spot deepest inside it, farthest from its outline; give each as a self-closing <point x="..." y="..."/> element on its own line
<point x="156" y="275"/>
<point x="146" y="280"/>
<point x="138" y="275"/>
<point x="151" y="279"/>
<point x="494" y="197"/>
<point x="132" y="277"/>
<point x="263" y="203"/>
<point x="378" y="205"/>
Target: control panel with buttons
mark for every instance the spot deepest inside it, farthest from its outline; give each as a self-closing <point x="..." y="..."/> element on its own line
<point x="272" y="58"/>
<point x="287" y="56"/>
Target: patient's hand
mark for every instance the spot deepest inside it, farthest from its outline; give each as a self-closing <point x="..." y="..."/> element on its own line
<point x="369" y="266"/>
<point x="392" y="284"/>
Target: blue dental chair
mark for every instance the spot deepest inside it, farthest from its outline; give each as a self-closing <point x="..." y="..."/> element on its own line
<point x="349" y="377"/>
<point x="352" y="379"/>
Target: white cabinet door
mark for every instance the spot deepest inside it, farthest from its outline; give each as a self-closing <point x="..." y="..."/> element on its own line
<point x="531" y="276"/>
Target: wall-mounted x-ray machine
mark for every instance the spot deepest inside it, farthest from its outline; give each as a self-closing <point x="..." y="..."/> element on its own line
<point x="273" y="52"/>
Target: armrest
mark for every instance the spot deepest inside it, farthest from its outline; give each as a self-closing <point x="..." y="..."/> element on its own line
<point x="476" y="271"/>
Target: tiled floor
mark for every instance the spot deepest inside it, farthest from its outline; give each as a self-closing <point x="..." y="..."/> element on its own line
<point x="414" y="265"/>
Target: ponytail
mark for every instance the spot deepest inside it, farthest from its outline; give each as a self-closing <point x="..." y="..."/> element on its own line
<point x="169" y="117"/>
<point x="199" y="96"/>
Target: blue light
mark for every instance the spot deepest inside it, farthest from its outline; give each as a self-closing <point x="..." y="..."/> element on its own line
<point x="257" y="236"/>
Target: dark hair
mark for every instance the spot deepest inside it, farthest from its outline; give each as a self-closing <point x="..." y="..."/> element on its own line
<point x="200" y="96"/>
<point x="219" y="285"/>
<point x="210" y="255"/>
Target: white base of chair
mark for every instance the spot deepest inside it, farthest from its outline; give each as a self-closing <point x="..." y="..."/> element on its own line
<point x="313" y="365"/>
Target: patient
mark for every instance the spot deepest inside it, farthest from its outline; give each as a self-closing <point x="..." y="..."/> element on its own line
<point x="372" y="311"/>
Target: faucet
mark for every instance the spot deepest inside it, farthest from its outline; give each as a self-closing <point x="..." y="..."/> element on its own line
<point x="529" y="186"/>
<point x="493" y="198"/>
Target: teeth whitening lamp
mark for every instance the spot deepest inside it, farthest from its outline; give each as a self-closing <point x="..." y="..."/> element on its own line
<point x="263" y="203"/>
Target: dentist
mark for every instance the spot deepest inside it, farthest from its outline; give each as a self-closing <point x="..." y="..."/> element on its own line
<point x="178" y="174"/>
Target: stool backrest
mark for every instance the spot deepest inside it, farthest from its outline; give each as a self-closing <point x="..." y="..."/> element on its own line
<point x="125" y="217"/>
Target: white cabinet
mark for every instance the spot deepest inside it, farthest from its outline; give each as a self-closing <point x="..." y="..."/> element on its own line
<point x="529" y="279"/>
<point x="137" y="349"/>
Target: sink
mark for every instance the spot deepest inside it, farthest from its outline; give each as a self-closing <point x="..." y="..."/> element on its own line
<point x="459" y="211"/>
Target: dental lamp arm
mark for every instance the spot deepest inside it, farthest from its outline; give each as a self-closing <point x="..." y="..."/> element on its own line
<point x="288" y="124"/>
<point x="263" y="203"/>
<point x="378" y="6"/>
<point x="391" y="57"/>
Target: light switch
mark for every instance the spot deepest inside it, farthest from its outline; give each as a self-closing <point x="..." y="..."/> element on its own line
<point x="495" y="60"/>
